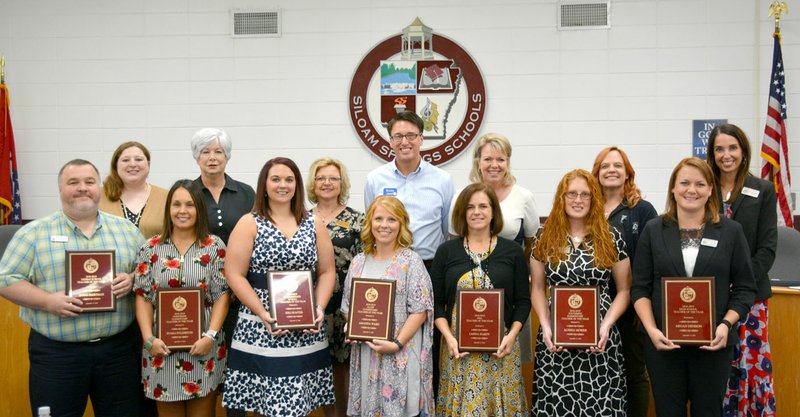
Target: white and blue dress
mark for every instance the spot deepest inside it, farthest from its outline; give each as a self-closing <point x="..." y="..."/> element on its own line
<point x="284" y="375"/>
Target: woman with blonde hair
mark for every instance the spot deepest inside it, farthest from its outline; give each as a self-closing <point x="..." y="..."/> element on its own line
<point x="126" y="192"/>
<point x="577" y="247"/>
<point x="491" y="165"/>
<point x="393" y="378"/>
<point x="628" y="212"/>
<point x="328" y="187"/>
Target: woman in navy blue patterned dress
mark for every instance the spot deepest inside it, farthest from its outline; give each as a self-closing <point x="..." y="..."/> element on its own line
<point x="277" y="372"/>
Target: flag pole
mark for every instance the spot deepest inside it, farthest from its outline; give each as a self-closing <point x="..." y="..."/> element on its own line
<point x="2" y="69"/>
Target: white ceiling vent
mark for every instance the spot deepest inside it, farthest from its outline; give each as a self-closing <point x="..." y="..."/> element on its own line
<point x="255" y="23"/>
<point x="584" y="15"/>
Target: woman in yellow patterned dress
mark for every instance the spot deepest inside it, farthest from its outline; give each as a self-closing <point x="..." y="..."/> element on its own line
<point x="477" y="383"/>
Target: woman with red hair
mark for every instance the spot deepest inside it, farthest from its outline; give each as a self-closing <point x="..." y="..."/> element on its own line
<point x="628" y="212"/>
<point x="577" y="247"/>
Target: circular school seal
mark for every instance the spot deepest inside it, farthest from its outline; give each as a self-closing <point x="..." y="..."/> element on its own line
<point x="479" y="304"/>
<point x="688" y="294"/>
<point x="422" y="72"/>
<point x="371" y="295"/>
<point x="91" y="265"/>
<point x="179" y="304"/>
<point x="575" y="301"/>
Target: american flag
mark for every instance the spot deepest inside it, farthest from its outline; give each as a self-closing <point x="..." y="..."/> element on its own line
<point x="774" y="147"/>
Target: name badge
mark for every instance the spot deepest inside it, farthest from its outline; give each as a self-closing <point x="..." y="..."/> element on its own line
<point x="750" y="192"/>
<point x="709" y="242"/>
<point x="343" y="224"/>
<point x="390" y="192"/>
<point x="59" y="239"/>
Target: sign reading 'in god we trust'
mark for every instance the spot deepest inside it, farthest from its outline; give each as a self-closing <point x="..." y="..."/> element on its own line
<point x="427" y="74"/>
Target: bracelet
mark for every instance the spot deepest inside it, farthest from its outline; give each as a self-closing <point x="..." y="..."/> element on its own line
<point x="211" y="334"/>
<point x="148" y="344"/>
<point x="726" y="323"/>
<point x="399" y="345"/>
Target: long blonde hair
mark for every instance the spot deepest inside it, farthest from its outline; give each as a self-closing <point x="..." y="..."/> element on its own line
<point x="551" y="243"/>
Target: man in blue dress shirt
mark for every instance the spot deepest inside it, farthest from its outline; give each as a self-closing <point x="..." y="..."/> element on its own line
<point x="424" y="189"/>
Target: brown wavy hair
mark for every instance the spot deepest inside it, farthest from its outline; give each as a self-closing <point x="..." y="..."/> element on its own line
<point x="112" y="186"/>
<point x="712" y="204"/>
<point x="298" y="206"/>
<point x="396" y="208"/>
<point x="631" y="192"/>
<point x="551" y="243"/>
<point x="743" y="172"/>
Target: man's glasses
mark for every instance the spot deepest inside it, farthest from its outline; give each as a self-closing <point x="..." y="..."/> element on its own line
<point x="408" y="136"/>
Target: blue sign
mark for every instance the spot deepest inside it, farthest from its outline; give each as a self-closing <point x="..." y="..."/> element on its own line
<point x="701" y="130"/>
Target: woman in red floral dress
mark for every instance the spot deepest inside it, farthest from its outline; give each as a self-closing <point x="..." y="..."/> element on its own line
<point x="185" y="255"/>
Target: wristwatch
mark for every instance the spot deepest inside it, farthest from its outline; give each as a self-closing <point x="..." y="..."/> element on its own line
<point x="210" y="333"/>
<point x="726" y="323"/>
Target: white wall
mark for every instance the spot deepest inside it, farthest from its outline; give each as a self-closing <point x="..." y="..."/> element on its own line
<point x="85" y="75"/>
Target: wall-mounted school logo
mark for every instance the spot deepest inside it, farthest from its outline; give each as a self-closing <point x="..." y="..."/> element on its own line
<point x="425" y="73"/>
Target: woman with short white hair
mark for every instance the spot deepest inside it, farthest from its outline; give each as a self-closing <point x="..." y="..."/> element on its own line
<point x="226" y="200"/>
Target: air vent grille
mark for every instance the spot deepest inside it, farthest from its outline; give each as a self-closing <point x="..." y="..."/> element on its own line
<point x="591" y="15"/>
<point x="262" y="23"/>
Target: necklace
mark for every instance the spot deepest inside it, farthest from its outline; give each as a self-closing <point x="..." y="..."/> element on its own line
<point x="480" y="261"/>
<point x="576" y="240"/>
<point x="326" y="218"/>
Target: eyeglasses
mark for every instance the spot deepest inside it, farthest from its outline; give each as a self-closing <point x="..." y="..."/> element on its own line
<point x="572" y="195"/>
<point x="408" y="136"/>
<point x="332" y="180"/>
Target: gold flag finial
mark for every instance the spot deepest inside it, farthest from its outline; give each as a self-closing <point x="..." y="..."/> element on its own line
<point x="777" y="8"/>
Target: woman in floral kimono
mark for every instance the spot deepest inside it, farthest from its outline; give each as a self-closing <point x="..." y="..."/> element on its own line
<point x="393" y="378"/>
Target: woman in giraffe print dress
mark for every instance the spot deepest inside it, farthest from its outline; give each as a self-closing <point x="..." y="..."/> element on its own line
<point x="577" y="247"/>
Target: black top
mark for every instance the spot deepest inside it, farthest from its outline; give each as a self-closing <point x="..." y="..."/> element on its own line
<point x="235" y="200"/>
<point x="507" y="269"/>
<point x="630" y="222"/>
<point x="723" y="254"/>
<point x="759" y="219"/>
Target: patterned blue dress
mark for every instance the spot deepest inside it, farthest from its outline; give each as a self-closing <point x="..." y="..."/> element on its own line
<point x="285" y="375"/>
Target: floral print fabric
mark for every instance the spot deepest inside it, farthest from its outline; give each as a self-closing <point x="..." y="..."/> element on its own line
<point x="751" y="391"/>
<point x="385" y="391"/>
<point x="180" y="376"/>
<point x="345" y="232"/>
<point x="480" y="383"/>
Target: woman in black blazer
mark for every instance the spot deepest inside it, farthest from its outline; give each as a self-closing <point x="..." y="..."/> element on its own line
<point x="752" y="203"/>
<point x="691" y="239"/>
